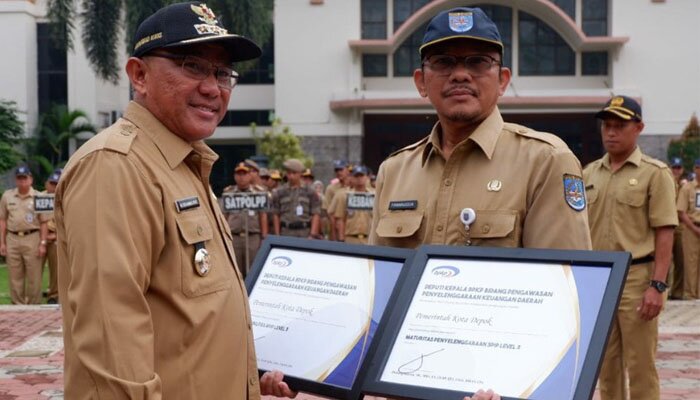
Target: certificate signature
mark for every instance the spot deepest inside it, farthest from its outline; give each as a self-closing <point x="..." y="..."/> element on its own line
<point x="415" y="364"/>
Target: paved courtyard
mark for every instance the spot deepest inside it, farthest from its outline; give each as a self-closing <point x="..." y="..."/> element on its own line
<point x="31" y="353"/>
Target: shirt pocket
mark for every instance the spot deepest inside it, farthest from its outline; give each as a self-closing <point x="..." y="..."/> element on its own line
<point x="401" y="229"/>
<point x="495" y="228"/>
<point x="195" y="227"/>
<point x="591" y="195"/>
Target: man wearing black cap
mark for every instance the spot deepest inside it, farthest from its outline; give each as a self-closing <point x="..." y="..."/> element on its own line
<point x="153" y="307"/>
<point x="523" y="187"/>
<point x="51" y="256"/>
<point x="631" y="208"/>
<point x="675" y="274"/>
<point x="353" y="209"/>
<point x="22" y="239"/>
<point x="340" y="167"/>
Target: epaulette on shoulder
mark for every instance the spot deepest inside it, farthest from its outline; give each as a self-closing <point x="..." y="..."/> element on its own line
<point x="548" y="138"/>
<point x="120" y="137"/>
<point x="653" y="161"/>
<point x="227" y="189"/>
<point x="411" y="146"/>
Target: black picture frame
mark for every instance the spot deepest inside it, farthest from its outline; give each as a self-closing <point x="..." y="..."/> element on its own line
<point x="617" y="262"/>
<point x="403" y="256"/>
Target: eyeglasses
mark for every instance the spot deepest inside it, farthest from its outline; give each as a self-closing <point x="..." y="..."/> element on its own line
<point x="200" y="69"/>
<point x="676" y="166"/>
<point x="476" y="65"/>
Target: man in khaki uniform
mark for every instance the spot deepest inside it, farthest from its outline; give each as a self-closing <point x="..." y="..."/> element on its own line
<point x="631" y="208"/>
<point x="295" y="206"/>
<point x="688" y="205"/>
<point x="257" y="221"/>
<point x="153" y="306"/>
<point x="22" y="239"/>
<point x="51" y="255"/>
<point x="256" y="181"/>
<point x="353" y="209"/>
<point x="516" y="187"/>
<point x="341" y="181"/>
<point x="675" y="273"/>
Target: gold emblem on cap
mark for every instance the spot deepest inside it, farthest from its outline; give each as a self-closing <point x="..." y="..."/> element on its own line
<point x="617" y="101"/>
<point x="494" y="185"/>
<point x="633" y="182"/>
<point x="202" y="262"/>
<point x="206" y="15"/>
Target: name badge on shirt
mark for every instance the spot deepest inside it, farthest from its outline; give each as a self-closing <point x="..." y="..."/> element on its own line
<point x="697" y="199"/>
<point x="403" y="205"/>
<point x="187" y="203"/>
<point x="300" y="210"/>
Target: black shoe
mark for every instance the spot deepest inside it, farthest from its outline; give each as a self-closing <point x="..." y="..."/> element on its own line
<point x="52" y="301"/>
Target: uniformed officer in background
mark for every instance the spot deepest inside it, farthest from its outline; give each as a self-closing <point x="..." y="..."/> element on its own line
<point x="675" y="274"/>
<point x="257" y="221"/>
<point x="22" y="239"/>
<point x="631" y="208"/>
<point x="51" y="256"/>
<point x="688" y="205"/>
<point x="153" y="306"/>
<point x="340" y="167"/>
<point x="307" y="177"/>
<point x="476" y="179"/>
<point x="295" y="206"/>
<point x="354" y="220"/>
<point x="256" y="180"/>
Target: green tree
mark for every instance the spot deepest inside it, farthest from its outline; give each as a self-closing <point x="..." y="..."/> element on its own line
<point x="48" y="149"/>
<point x="102" y="21"/>
<point x="279" y="144"/>
<point x="688" y="146"/>
<point x="11" y="131"/>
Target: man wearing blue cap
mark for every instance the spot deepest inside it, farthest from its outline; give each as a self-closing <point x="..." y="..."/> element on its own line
<point x="688" y="206"/>
<point x="524" y="187"/>
<point x="631" y="208"/>
<point x="675" y="274"/>
<point x="51" y="256"/>
<point x="153" y="306"/>
<point x="22" y="239"/>
<point x="340" y="167"/>
<point x="353" y="209"/>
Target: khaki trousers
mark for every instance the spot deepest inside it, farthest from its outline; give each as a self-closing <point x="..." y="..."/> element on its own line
<point x="356" y="239"/>
<point x="24" y="264"/>
<point x="52" y="258"/>
<point x="631" y="345"/>
<point x="691" y="259"/>
<point x="239" y="250"/>
<point x="302" y="233"/>
<point x="675" y="273"/>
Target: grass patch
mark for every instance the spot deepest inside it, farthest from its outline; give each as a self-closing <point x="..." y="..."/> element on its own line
<point x="5" y="283"/>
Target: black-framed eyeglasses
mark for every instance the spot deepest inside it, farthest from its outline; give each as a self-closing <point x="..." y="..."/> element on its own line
<point x="445" y="64"/>
<point x="676" y="166"/>
<point x="200" y="69"/>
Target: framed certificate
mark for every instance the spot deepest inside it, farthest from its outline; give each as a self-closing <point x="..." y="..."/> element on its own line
<point x="316" y="308"/>
<point x="526" y="323"/>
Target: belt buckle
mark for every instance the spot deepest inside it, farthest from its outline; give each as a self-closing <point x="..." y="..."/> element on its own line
<point x="361" y="236"/>
<point x="242" y="234"/>
<point x="20" y="234"/>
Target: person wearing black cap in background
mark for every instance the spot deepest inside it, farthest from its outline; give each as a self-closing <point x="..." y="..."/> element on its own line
<point x="153" y="306"/>
<point x="675" y="273"/>
<point x="353" y="222"/>
<point x="340" y="167"/>
<point x="51" y="256"/>
<point x="22" y="239"/>
<point x="688" y="205"/>
<point x="632" y="208"/>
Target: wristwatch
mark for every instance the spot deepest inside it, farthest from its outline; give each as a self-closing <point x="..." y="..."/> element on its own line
<point x="659" y="286"/>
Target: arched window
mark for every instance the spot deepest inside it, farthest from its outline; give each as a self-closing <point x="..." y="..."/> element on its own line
<point x="542" y="51"/>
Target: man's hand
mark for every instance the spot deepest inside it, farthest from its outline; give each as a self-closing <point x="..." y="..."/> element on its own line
<point x="652" y="302"/>
<point x="272" y="383"/>
<point x="3" y="250"/>
<point x="42" y="250"/>
<point x="481" y="395"/>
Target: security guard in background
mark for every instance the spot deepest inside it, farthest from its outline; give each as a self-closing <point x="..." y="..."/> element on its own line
<point x="22" y="239"/>
<point x="307" y="177"/>
<point x="51" y="256"/>
<point x="631" y="208"/>
<point x="295" y="206"/>
<point x="476" y="179"/>
<point x="275" y="180"/>
<point x="675" y="273"/>
<point x="257" y="220"/>
<point x="688" y="205"/>
<point x="256" y="181"/>
<point x="341" y="181"/>
<point x="353" y="224"/>
<point x="153" y="305"/>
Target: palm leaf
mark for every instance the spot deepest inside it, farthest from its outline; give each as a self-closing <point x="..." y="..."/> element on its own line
<point x="101" y="28"/>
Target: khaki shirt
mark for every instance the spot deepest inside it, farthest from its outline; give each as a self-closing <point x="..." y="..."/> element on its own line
<point x="331" y="191"/>
<point x="333" y="205"/>
<point x="689" y="200"/>
<point x="287" y="200"/>
<point x="236" y="220"/>
<point x="357" y="222"/>
<point x="511" y="176"/>
<point x="139" y="322"/>
<point x="18" y="210"/>
<point x="625" y="206"/>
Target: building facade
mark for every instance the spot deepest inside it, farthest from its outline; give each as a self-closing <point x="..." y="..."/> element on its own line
<point x="339" y="73"/>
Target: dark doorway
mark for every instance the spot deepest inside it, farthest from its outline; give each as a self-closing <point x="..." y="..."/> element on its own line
<point x="386" y="133"/>
<point x="229" y="156"/>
